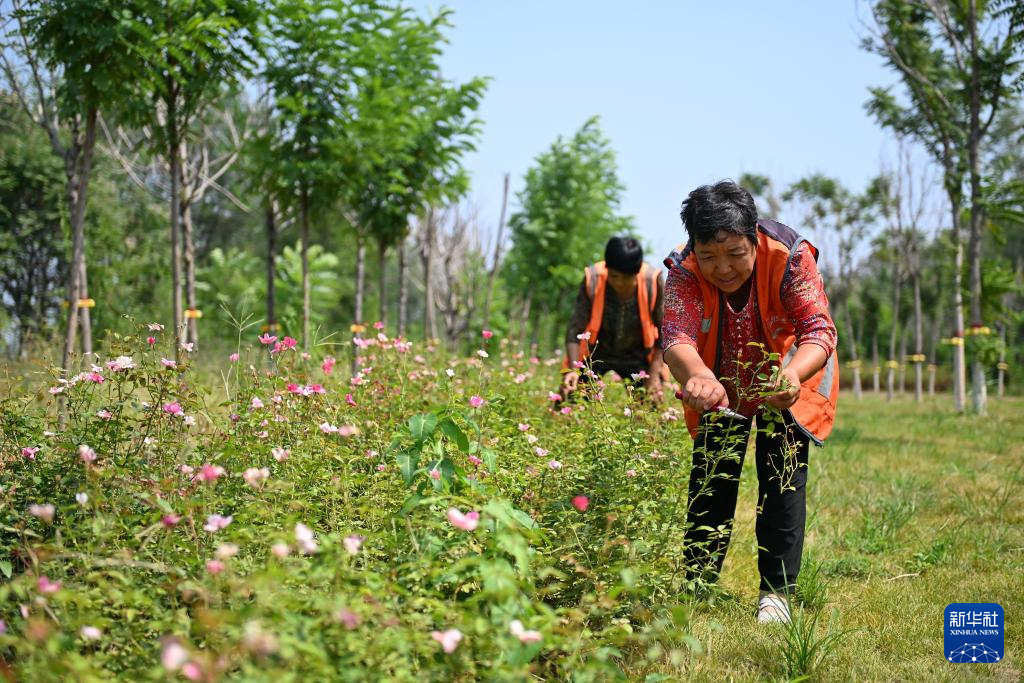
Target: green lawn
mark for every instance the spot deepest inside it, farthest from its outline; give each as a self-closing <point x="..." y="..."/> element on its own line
<point x="910" y="508"/>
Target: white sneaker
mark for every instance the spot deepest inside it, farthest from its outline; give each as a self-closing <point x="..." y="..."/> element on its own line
<point x="772" y="609"/>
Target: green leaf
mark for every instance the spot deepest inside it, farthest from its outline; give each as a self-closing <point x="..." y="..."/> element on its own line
<point x="452" y="431"/>
<point x="422" y="426"/>
<point x="490" y="459"/>
<point x="5" y="568"/>
<point x="407" y="464"/>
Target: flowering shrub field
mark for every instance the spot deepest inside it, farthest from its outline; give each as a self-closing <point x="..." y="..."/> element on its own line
<point x="276" y="519"/>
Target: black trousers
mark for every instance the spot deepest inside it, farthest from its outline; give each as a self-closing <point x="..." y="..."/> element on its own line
<point x="718" y="455"/>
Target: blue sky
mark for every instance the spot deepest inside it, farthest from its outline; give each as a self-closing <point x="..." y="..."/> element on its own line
<point x="687" y="92"/>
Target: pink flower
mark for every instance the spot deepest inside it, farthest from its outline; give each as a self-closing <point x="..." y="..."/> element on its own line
<point x="173" y="408"/>
<point x="215" y="523"/>
<point x="581" y="503"/>
<point x="353" y="543"/>
<point x="541" y="452"/>
<point x="30" y="452"/>
<point x="47" y="587"/>
<point x="155" y="327"/>
<point x="554" y="464"/>
<point x="280" y="550"/>
<point x="578" y="364"/>
<point x="583" y="336"/>
<point x="524" y="427"/>
<point x="350" y="400"/>
<point x="121" y="363"/>
<point x="554" y="397"/>
<point x="486" y="334"/>
<point x="630" y="473"/>
<point x="466" y="522"/>
<point x="520" y="378"/>
<point x="86" y="454"/>
<point x="170" y="520"/>
<point x="225" y="551"/>
<point x="187" y="469"/>
<point x="267" y="339"/>
<point x="44" y="512"/>
<point x="304" y="537"/>
<point x="524" y="636"/>
<point x="280" y="454"/>
<point x="90" y="633"/>
<point x="347" y="618"/>
<point x="214" y="566"/>
<point x="288" y="343"/>
<point x="449" y="639"/>
<point x="328" y="365"/>
<point x="256" y="403"/>
<point x="193" y="671"/>
<point x="316" y="389"/>
<point x="104" y="414"/>
<point x="172" y="654"/>
<point x="328" y="428"/>
<point x="168" y="363"/>
<point x="151" y="340"/>
<point x="233" y="358"/>
<point x="566" y="410"/>
<point x="255" y="477"/>
<point x="475" y="460"/>
<point x="640" y="375"/>
<point x="482" y="353"/>
<point x="209" y="473"/>
<point x="378" y="325"/>
<point x="435" y="474"/>
<point x="381" y="467"/>
<point x="188" y="346"/>
<point x="348" y="430"/>
<point x="475" y="401"/>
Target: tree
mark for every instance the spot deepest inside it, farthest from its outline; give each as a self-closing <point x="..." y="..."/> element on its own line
<point x="569" y="208"/>
<point x="834" y="209"/>
<point x="188" y="51"/>
<point x="959" y="62"/>
<point x="74" y="56"/>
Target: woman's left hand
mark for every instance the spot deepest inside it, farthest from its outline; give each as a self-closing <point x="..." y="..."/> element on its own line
<point x="787" y="396"/>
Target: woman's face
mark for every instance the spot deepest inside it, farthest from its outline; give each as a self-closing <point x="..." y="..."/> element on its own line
<point x="622" y="283"/>
<point x="726" y="261"/>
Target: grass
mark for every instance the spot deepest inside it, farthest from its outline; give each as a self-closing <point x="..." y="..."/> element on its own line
<point x="910" y="507"/>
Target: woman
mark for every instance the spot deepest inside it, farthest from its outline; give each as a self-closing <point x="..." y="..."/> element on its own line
<point x="740" y="289"/>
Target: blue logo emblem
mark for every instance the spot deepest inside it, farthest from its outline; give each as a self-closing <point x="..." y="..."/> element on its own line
<point x="974" y="633"/>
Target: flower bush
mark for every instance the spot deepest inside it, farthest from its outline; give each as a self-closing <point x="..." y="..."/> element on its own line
<point x="430" y="518"/>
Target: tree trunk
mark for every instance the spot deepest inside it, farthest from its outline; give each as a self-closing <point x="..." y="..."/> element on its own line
<point x="1001" y="367"/>
<point x="918" y="336"/>
<point x="892" y="364"/>
<point x="189" y="259"/>
<point x="175" y="170"/>
<point x="78" y="167"/>
<point x="360" y="291"/>
<point x="429" y="311"/>
<point x="854" y="360"/>
<point x="306" y="290"/>
<point x="959" y="358"/>
<point x="524" y="318"/>
<point x="901" y="358"/>
<point x="382" y="291"/>
<point x="403" y="291"/>
<point x="977" y="210"/>
<point x="85" y="315"/>
<point x="271" y="225"/>
<point x="492" y="275"/>
<point x="875" y="370"/>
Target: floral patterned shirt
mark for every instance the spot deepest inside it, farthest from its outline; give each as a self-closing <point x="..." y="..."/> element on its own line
<point x="803" y="296"/>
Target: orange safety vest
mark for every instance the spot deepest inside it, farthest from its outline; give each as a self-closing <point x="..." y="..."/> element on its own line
<point x="596" y="277"/>
<point x="815" y="409"/>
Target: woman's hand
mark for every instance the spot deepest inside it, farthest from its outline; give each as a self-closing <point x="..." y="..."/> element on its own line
<point x="704" y="392"/>
<point x="570" y="381"/>
<point x="788" y="384"/>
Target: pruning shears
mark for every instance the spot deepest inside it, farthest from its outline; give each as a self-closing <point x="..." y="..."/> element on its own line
<point x="721" y="410"/>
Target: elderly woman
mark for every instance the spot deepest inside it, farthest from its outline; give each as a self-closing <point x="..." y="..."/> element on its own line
<point x="741" y="291"/>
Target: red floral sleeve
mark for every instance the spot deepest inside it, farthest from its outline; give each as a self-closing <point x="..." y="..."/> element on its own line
<point x="803" y="296"/>
<point x="684" y="308"/>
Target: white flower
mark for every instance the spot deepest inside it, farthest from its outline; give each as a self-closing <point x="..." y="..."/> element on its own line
<point x="82" y="498"/>
<point x="524" y="636"/>
<point x="482" y="353"/>
<point x="449" y="372"/>
<point x="90" y="633"/>
<point x="304" y="536"/>
<point x="121" y="363"/>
